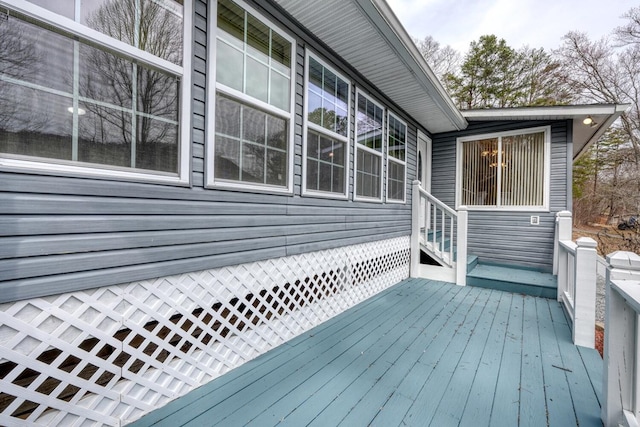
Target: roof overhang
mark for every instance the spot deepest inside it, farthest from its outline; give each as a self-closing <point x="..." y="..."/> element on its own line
<point x="368" y="36"/>
<point x="603" y="116"/>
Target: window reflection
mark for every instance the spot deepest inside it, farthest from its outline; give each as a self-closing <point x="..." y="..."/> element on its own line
<point x="103" y="109"/>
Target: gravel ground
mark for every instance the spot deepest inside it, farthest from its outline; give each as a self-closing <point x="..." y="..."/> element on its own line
<point x="600" y="300"/>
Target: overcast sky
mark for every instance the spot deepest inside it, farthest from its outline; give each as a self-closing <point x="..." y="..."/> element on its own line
<point x="537" y="23"/>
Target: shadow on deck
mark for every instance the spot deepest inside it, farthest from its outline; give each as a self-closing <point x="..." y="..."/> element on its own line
<point x="420" y="353"/>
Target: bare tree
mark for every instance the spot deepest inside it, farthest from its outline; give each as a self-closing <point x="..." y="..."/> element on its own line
<point x="443" y="60"/>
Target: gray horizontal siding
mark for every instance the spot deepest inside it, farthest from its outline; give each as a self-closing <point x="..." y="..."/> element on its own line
<point x="60" y="234"/>
<point x="507" y="237"/>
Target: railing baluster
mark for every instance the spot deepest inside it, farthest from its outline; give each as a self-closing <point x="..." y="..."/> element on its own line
<point x="451" y="224"/>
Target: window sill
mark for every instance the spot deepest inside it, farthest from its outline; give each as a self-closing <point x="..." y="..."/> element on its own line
<point x="75" y="171"/>
<point x="248" y="188"/>
<point x="324" y="195"/>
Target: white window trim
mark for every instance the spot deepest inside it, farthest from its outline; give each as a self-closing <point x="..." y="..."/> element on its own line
<point x="393" y="159"/>
<point x="547" y="170"/>
<point x="357" y="146"/>
<point x="306" y="125"/>
<point x="213" y="87"/>
<point x="32" y="164"/>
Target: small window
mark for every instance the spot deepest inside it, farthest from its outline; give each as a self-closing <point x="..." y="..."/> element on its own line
<point x="396" y="159"/>
<point x="506" y="171"/>
<point x="327" y="130"/>
<point x="369" y="148"/>
<point x="253" y="101"/>
<point x="74" y="99"/>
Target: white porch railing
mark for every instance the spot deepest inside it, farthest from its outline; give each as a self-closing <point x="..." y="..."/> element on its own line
<point x="621" y="379"/>
<point x="440" y="230"/>
<point x="575" y="264"/>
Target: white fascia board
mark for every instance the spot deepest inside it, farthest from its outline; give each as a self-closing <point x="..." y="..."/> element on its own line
<point x="560" y="111"/>
<point x="380" y="13"/>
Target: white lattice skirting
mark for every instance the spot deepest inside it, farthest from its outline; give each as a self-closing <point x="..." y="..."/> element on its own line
<point x="108" y="356"/>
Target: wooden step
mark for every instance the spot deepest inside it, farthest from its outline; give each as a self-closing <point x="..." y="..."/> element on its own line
<point x="513" y="279"/>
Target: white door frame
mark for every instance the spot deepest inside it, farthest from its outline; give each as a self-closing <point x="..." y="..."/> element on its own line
<point x="424" y="147"/>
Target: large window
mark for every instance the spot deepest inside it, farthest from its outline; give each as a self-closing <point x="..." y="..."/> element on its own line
<point x="96" y="86"/>
<point x="396" y="159"/>
<point x="327" y="130"/>
<point x="253" y="101"/>
<point x="508" y="170"/>
<point x="369" y="148"/>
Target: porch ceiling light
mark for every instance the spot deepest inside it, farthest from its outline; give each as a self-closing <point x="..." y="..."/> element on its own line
<point x="588" y="120"/>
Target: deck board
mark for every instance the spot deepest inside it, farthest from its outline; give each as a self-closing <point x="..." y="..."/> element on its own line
<point x="420" y="353"/>
<point x="477" y="409"/>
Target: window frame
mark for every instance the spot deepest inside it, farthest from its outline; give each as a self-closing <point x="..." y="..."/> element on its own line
<point x="76" y="31"/>
<point x="358" y="146"/>
<point x="393" y="159"/>
<point x="213" y="87"/>
<point x="499" y="135"/>
<point x="306" y="126"/>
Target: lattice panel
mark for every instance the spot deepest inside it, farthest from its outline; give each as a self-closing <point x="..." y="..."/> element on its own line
<point x="108" y="356"/>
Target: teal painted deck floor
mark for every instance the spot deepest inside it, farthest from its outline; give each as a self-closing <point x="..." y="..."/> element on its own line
<point x="421" y="353"/>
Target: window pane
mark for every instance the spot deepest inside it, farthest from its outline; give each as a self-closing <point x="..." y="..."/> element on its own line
<point x="253" y="125"/>
<point x="368" y="173"/>
<point x="326" y="159"/>
<point x="229" y="66"/>
<point x="262" y="145"/>
<point x="227" y="158"/>
<point x="32" y="54"/>
<point x="155" y="27"/>
<point x="522" y="182"/>
<point x="227" y="117"/>
<point x="35" y="123"/>
<point x="395" y="181"/>
<point x="257" y="80"/>
<point x="231" y="21"/>
<point x="258" y="39"/>
<point x="104" y="135"/>
<point x="326" y="105"/>
<point x="397" y="138"/>
<point x="280" y="52"/>
<point x="276" y="132"/>
<point x="105" y="77"/>
<point x="156" y="144"/>
<point x="276" y="168"/>
<point x="480" y="172"/>
<point x="252" y="163"/>
<point x="64" y="8"/>
<point x="280" y="91"/>
<point x="369" y="124"/>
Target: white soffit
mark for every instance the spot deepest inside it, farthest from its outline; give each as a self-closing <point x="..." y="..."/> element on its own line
<point x="603" y="116"/>
<point x="368" y="36"/>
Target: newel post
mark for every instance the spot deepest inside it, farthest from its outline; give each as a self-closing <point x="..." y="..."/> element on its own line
<point x="414" y="268"/>
<point x="560" y="267"/>
<point x="584" y="294"/>
<point x="621" y="346"/>
<point x="461" y="243"/>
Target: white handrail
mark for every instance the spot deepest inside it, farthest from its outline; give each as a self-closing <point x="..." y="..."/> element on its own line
<point x="621" y="379"/>
<point x="440" y="230"/>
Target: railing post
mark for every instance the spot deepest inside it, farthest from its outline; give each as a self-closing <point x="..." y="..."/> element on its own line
<point x="584" y="295"/>
<point x="414" y="269"/>
<point x="461" y="247"/>
<point x="563" y="232"/>
<point x="620" y="342"/>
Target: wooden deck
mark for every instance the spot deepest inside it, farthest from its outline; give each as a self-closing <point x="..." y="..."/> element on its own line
<point x="421" y="353"/>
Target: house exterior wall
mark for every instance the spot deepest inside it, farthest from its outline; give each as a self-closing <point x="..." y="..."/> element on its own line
<point x="507" y="237"/>
<point x="64" y="233"/>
